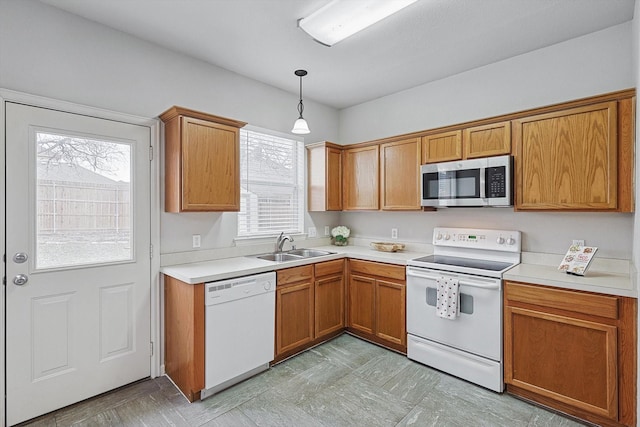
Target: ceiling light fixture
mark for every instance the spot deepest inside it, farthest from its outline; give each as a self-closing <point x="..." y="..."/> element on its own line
<point x="340" y="19"/>
<point x="300" y="126"/>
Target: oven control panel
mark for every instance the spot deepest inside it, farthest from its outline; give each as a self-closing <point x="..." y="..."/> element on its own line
<point x="497" y="240"/>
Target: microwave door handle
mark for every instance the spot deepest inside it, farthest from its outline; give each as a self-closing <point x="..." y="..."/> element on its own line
<point x="483" y="183"/>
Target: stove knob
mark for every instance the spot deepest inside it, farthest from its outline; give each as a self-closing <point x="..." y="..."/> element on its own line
<point x="447" y="237"/>
<point x="500" y="240"/>
<point x="511" y="241"/>
<point x="439" y="236"/>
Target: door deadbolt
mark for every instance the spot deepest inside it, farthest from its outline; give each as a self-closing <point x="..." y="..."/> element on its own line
<point x="20" y="257"/>
<point x="20" y="279"/>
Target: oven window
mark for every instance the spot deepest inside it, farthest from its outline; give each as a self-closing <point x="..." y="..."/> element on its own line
<point x="466" y="301"/>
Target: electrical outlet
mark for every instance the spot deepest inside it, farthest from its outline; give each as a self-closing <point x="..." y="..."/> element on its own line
<point x="312" y="232"/>
<point x="196" y="240"/>
<point x="578" y="242"/>
<point x="326" y="230"/>
<point x="394" y="233"/>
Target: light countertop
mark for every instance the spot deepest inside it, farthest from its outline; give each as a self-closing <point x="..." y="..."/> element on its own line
<point x="605" y="282"/>
<point x="228" y="268"/>
<point x="614" y="278"/>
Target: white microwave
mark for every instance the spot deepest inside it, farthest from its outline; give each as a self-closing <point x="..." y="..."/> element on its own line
<point x="476" y="182"/>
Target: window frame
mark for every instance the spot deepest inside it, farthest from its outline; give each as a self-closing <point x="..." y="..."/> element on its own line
<point x="243" y="231"/>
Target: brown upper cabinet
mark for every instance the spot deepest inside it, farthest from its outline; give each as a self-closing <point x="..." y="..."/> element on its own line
<point x="492" y="139"/>
<point x="324" y="161"/>
<point x="442" y="147"/>
<point x="361" y="175"/>
<point x="577" y="156"/>
<point x="202" y="161"/>
<point x="568" y="159"/>
<point x="488" y="140"/>
<point x="400" y="175"/>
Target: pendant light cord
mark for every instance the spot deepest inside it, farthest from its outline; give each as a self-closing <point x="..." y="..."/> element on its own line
<point x="300" y="105"/>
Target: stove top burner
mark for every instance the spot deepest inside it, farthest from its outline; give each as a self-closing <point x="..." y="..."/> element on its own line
<point x="479" y="264"/>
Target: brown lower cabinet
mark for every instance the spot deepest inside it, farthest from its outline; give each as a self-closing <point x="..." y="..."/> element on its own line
<point x="309" y="306"/>
<point x="184" y="335"/>
<point x="377" y="294"/>
<point x="572" y="351"/>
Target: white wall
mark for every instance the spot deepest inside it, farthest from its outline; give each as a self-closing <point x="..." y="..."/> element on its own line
<point x="596" y="63"/>
<point x="48" y="52"/>
<point x="590" y="65"/>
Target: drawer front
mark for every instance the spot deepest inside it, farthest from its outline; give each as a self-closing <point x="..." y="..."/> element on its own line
<point x="329" y="267"/>
<point x="389" y="271"/>
<point x="573" y="301"/>
<point x="295" y="274"/>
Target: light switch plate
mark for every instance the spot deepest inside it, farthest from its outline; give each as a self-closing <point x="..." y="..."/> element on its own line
<point x="394" y="233"/>
<point x="196" y="240"/>
<point x="327" y="231"/>
<point x="578" y="242"/>
<point x="312" y="232"/>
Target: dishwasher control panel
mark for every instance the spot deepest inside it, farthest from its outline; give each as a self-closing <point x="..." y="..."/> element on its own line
<point x="241" y="287"/>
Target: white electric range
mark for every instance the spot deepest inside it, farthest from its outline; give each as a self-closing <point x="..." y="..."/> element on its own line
<point x="468" y="344"/>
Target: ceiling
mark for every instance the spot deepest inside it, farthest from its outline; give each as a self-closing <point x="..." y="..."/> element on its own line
<point x="427" y="41"/>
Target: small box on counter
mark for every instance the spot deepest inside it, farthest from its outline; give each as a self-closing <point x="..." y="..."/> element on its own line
<point x="577" y="259"/>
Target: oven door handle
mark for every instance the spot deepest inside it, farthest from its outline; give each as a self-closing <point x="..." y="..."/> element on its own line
<point x="465" y="282"/>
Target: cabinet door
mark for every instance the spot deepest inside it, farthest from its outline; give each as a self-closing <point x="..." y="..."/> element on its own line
<point x="390" y="312"/>
<point x="334" y="179"/>
<point x="210" y="166"/>
<point x="361" y="175"/>
<point x="442" y="147"/>
<point x="400" y="175"/>
<point x="329" y="305"/>
<point x="566" y="359"/>
<point x="324" y="177"/>
<point x="567" y="159"/>
<point x="294" y="316"/>
<point x="487" y="140"/>
<point x="361" y="303"/>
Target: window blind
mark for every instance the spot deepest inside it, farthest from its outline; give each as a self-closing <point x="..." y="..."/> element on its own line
<point x="272" y="185"/>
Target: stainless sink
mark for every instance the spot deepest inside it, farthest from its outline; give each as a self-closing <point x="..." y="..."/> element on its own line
<point x="279" y="257"/>
<point x="309" y="253"/>
<point x="292" y="255"/>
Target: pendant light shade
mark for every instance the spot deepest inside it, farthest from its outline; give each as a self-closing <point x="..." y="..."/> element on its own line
<point x="300" y="126"/>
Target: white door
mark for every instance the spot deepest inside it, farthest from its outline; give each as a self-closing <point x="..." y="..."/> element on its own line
<point x="78" y="258"/>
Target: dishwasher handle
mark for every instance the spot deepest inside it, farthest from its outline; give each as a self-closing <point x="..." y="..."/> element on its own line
<point x="466" y="281"/>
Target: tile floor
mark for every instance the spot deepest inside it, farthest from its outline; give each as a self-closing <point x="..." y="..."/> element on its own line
<point x="344" y="382"/>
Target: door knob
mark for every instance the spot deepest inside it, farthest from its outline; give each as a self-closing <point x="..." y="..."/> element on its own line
<point x="20" y="257"/>
<point x="20" y="279"/>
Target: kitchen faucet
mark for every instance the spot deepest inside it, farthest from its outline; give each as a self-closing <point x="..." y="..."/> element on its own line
<point x="280" y="241"/>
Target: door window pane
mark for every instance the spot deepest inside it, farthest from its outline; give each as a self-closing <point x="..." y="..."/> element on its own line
<point x="83" y="201"/>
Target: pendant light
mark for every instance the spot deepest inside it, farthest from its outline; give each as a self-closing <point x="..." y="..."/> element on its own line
<point x="300" y="126"/>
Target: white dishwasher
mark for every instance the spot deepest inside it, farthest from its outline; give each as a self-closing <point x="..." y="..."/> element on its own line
<point x="239" y="329"/>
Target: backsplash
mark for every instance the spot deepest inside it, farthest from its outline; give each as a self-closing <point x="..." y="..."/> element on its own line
<point x="543" y="232"/>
